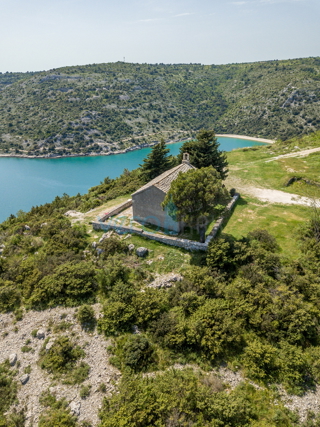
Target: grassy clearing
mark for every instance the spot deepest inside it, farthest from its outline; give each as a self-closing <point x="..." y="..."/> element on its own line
<point x="249" y="166"/>
<point x="280" y="220"/>
<point x="99" y="211"/>
<point x="164" y="258"/>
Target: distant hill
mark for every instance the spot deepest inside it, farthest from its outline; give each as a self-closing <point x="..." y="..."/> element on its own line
<point x="102" y="107"/>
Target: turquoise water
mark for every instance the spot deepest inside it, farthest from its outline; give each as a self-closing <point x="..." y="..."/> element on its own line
<point x="31" y="182"/>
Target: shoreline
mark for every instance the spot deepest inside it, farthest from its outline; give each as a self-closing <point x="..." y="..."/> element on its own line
<point x="134" y="148"/>
<point x="249" y="138"/>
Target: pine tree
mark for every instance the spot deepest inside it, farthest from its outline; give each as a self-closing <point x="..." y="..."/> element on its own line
<point x="204" y="152"/>
<point x="156" y="162"/>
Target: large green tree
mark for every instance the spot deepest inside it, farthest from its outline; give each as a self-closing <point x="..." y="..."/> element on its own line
<point x="204" y="151"/>
<point x="195" y="196"/>
<point x="156" y="162"/>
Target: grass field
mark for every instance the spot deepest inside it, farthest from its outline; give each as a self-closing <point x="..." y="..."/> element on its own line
<point x="250" y="167"/>
<point x="282" y="221"/>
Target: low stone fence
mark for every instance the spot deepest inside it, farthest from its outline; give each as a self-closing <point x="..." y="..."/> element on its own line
<point x="189" y="245"/>
<point x="120" y="229"/>
<point x="116" y="210"/>
<point x="224" y="216"/>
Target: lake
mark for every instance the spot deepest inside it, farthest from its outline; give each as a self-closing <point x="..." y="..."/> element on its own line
<point x="32" y="182"/>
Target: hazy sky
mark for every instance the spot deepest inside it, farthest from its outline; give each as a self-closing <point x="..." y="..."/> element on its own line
<point x="42" y="34"/>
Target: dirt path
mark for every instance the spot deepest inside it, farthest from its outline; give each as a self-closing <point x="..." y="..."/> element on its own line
<point x="269" y="195"/>
<point x="277" y="196"/>
<point x="302" y="153"/>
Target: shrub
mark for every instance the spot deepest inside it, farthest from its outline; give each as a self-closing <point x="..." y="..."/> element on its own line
<point x="117" y="317"/>
<point x="26" y="349"/>
<point x="138" y="353"/>
<point x="114" y="270"/>
<point x="266" y="240"/>
<point x="8" y="387"/>
<point x="9" y="296"/>
<point x="69" y="285"/>
<point x="111" y="246"/>
<point x="102" y="388"/>
<point x="86" y="317"/>
<point x="260" y="361"/>
<point x="85" y="391"/>
<point x="57" y="413"/>
<point x="77" y="375"/>
<point x="61" y="357"/>
<point x="133" y="352"/>
<point x="184" y="398"/>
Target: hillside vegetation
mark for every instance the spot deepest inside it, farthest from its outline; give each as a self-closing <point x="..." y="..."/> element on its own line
<point x="241" y="311"/>
<point x="106" y="107"/>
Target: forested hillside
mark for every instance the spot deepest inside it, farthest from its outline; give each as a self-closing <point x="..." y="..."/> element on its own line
<point x="105" y="107"/>
<point x="222" y="338"/>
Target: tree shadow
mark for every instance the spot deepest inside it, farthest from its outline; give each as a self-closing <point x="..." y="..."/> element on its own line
<point x="240" y="202"/>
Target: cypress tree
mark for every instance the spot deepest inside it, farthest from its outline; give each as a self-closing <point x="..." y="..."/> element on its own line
<point x="204" y="152"/>
<point x="156" y="162"/>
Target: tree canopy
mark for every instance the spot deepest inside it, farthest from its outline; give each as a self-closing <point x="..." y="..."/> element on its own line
<point x="156" y="162"/>
<point x="195" y="196"/>
<point x="204" y="152"/>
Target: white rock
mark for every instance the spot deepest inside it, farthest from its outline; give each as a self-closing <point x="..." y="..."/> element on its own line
<point x="27" y="227"/>
<point x="24" y="379"/>
<point x="49" y="345"/>
<point x="41" y="334"/>
<point x="75" y="408"/>
<point x="12" y="359"/>
<point x="142" y="252"/>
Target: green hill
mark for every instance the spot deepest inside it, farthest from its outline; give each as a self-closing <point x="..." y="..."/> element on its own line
<point x="229" y="337"/>
<point x="101" y="107"/>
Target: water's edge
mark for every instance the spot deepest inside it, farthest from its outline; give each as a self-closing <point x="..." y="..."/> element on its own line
<point x="133" y="148"/>
<point x="28" y="182"/>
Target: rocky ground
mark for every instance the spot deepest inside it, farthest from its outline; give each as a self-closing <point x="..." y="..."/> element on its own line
<point x="14" y="337"/>
<point x="34" y="330"/>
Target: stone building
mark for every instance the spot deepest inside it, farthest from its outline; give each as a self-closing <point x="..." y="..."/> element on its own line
<point x="146" y="202"/>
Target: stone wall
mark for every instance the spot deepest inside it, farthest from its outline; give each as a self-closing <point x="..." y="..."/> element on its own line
<point x="189" y="245"/>
<point x="224" y="216"/>
<point x="146" y="208"/>
<point x="116" y="210"/>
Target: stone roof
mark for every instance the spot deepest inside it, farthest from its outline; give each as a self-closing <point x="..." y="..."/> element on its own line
<point x="163" y="181"/>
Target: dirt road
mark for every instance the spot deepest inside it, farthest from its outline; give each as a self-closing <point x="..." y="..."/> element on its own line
<point x="302" y="153"/>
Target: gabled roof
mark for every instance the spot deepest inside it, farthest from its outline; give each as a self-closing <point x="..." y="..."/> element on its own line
<point x="163" y="181"/>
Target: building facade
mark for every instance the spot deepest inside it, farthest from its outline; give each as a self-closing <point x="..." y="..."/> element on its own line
<point x="147" y="201"/>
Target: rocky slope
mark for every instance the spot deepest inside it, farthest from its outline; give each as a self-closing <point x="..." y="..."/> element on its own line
<point x="100" y="108"/>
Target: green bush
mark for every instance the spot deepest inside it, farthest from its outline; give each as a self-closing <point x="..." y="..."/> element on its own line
<point x="8" y="387"/>
<point x="77" y="375"/>
<point x="114" y="270"/>
<point x="265" y="239"/>
<point x="10" y="297"/>
<point x="61" y="357"/>
<point x="133" y="352"/>
<point x="184" y="398"/>
<point x="117" y="317"/>
<point x="85" y="391"/>
<point x="86" y="317"/>
<point x="69" y="285"/>
<point x="112" y="246"/>
<point x="56" y="414"/>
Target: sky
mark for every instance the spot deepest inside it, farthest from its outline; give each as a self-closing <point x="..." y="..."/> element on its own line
<point x="41" y="34"/>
